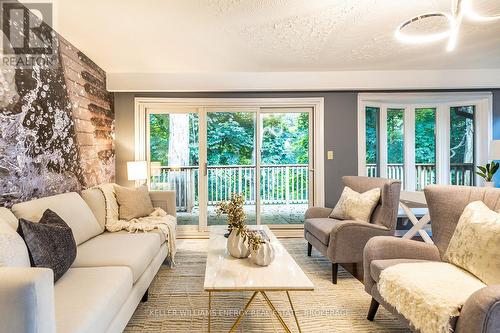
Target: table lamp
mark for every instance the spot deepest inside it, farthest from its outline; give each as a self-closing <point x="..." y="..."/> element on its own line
<point x="137" y="171"/>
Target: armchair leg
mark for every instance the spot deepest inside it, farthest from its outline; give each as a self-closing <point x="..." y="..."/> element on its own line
<point x="373" y="310"/>
<point x="335" y="269"/>
<point x="309" y="249"/>
<point x="145" y="296"/>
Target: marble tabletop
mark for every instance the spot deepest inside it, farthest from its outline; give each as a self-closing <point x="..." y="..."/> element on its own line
<point x="225" y="273"/>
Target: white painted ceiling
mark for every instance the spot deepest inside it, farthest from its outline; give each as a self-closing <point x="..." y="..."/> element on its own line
<point x="193" y="36"/>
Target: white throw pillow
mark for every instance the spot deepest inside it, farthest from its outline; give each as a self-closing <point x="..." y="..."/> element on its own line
<point x="475" y="245"/>
<point x="70" y="207"/>
<point x="13" y="250"/>
<point x="356" y="206"/>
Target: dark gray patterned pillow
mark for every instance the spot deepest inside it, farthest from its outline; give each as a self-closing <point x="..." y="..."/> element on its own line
<point x="50" y="243"/>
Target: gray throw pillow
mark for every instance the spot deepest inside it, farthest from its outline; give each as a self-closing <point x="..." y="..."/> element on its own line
<point x="50" y="243"/>
<point x="133" y="202"/>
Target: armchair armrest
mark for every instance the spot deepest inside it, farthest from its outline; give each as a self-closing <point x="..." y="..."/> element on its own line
<point x="481" y="312"/>
<point x="27" y="300"/>
<point x="165" y="200"/>
<point x="380" y="248"/>
<point x="317" y="212"/>
<point x="348" y="239"/>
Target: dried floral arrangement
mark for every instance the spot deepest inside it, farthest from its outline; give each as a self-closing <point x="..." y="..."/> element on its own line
<point x="235" y="214"/>
<point x="236" y="219"/>
<point x="254" y="240"/>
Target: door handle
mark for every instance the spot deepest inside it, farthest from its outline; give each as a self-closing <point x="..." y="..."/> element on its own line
<point x="205" y="169"/>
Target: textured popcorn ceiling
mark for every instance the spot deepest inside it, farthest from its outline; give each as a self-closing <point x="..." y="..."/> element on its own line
<point x="132" y="36"/>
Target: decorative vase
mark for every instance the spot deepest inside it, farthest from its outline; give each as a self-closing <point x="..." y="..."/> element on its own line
<point x="264" y="255"/>
<point x="236" y="245"/>
<point x="489" y="184"/>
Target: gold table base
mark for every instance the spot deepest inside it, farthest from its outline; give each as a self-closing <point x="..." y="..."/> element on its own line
<point x="242" y="313"/>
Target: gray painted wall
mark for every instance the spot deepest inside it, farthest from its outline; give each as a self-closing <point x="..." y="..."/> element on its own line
<point x="340" y="131"/>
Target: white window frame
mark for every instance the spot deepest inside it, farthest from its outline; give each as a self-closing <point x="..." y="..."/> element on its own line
<point x="483" y="102"/>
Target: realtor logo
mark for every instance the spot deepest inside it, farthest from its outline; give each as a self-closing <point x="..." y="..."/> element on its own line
<point x="28" y="39"/>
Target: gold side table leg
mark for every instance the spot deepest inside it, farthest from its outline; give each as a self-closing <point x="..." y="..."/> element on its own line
<point x="293" y="310"/>
<point x="282" y="322"/>
<point x="237" y="322"/>
<point x="209" y="309"/>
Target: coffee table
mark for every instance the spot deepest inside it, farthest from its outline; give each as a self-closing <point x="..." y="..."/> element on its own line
<point x="227" y="274"/>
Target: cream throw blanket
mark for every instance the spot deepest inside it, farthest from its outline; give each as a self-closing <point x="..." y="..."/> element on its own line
<point x="428" y="294"/>
<point x="158" y="219"/>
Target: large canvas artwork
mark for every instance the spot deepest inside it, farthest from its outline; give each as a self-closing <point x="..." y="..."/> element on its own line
<point x="56" y="123"/>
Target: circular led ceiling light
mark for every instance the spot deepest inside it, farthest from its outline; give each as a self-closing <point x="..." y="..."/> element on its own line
<point x="472" y="14"/>
<point x="429" y="19"/>
<point x="460" y="9"/>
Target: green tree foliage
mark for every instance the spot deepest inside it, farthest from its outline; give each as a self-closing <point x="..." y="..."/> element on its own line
<point x="285" y="138"/>
<point x="425" y="141"/>
<point x="159" y="136"/>
<point x="158" y="147"/>
<point x="395" y="134"/>
<point x="372" y="115"/>
<point x="462" y="134"/>
<point x="230" y="138"/>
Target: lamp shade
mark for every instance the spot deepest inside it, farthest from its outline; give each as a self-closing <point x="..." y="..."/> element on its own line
<point x="494" y="150"/>
<point x="137" y="170"/>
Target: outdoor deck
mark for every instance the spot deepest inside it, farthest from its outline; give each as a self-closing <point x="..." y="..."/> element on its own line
<point x="271" y="214"/>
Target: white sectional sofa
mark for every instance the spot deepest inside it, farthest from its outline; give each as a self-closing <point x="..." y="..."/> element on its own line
<point x="108" y="279"/>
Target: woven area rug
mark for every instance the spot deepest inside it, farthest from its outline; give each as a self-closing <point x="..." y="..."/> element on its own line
<point x="177" y="302"/>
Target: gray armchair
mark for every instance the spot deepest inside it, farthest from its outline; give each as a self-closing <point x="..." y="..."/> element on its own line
<point x="342" y="241"/>
<point x="481" y="312"/>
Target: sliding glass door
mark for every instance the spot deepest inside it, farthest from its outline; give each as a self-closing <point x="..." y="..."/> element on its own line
<point x="208" y="154"/>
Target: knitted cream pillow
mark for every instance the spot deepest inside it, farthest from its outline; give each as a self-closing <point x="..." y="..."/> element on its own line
<point x="356" y="206"/>
<point x="133" y="202"/>
<point x="475" y="245"/>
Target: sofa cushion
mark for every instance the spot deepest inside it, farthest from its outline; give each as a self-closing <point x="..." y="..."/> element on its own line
<point x="95" y="200"/>
<point x="320" y="228"/>
<point x="134" y="250"/>
<point x="377" y="266"/>
<point x="88" y="299"/>
<point x="9" y="218"/>
<point x="13" y="250"/>
<point x="50" y="243"/>
<point x="70" y="207"/>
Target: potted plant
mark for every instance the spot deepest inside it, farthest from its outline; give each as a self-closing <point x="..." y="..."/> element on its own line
<point x="236" y="242"/>
<point x="262" y="252"/>
<point x="487" y="172"/>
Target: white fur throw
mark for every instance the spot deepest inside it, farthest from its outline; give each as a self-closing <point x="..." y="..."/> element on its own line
<point x="428" y="294"/>
<point x="158" y="219"/>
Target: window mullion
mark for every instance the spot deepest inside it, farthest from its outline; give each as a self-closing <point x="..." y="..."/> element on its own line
<point x="409" y="148"/>
<point x="443" y="144"/>
<point x="383" y="142"/>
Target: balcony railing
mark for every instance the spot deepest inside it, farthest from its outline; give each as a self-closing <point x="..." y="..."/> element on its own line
<point x="460" y="173"/>
<point x="279" y="184"/>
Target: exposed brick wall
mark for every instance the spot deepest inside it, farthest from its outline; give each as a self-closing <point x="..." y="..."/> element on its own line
<point x="93" y="114"/>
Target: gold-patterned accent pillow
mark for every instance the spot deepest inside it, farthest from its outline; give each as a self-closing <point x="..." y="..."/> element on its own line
<point x="475" y="245"/>
<point x="356" y="206"/>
